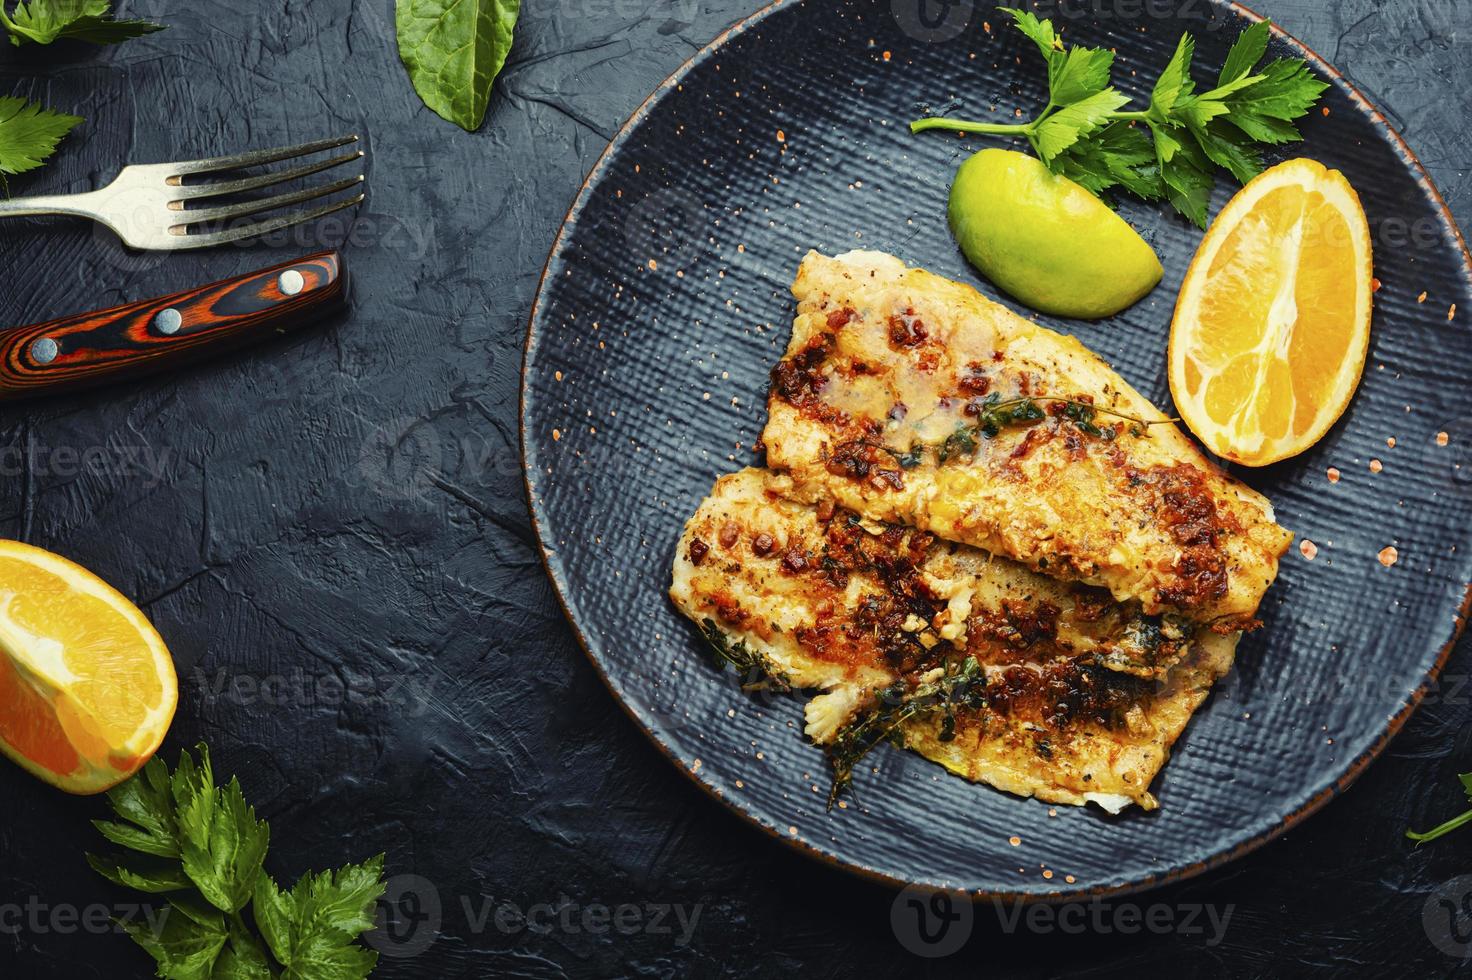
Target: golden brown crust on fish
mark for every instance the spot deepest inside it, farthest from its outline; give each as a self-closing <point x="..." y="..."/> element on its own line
<point x="912" y="399"/>
<point x="1077" y="696"/>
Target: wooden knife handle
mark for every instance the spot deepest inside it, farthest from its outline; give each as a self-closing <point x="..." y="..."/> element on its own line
<point x="96" y="348"/>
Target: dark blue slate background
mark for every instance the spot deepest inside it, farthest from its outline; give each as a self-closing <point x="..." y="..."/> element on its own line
<point x="331" y="534"/>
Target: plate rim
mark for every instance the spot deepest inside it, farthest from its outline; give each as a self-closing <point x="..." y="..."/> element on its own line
<point x="799" y="844"/>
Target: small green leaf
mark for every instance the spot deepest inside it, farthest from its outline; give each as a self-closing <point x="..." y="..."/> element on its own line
<point x="1264" y="129"/>
<point x="1118" y="155"/>
<point x="273" y="910"/>
<point x="1039" y="31"/>
<point x="137" y="839"/>
<point x="1227" y="148"/>
<point x="454" y="49"/>
<point x="153" y="877"/>
<point x="46" y="21"/>
<point x="185" y="948"/>
<point x="243" y="958"/>
<point x="1174" y="82"/>
<point x="1066" y="126"/>
<point x="1248" y="50"/>
<point x="1188" y="181"/>
<point x="1287" y="90"/>
<point x="29" y="134"/>
<point x="1078" y="74"/>
<point x="224" y="846"/>
<point x="312" y="929"/>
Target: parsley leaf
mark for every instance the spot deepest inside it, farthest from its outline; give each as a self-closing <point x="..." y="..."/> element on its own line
<point x="1246" y="52"/>
<point x="29" y="134"/>
<point x="152" y="877"/>
<point x="1073" y="122"/>
<point x="202" y="845"/>
<point x="45" y="21"/>
<point x="311" y="928"/>
<point x="1086" y="133"/>
<point x="1174" y="82"/>
<point x="186" y="942"/>
<point x="223" y="845"/>
<point x="146" y="803"/>
<point x="1040" y="31"/>
<point x="1078" y="74"/>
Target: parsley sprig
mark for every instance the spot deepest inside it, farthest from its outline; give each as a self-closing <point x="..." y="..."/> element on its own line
<point x="1086" y="134"/>
<point x="202" y="845"/>
<point x="29" y="134"/>
<point x="45" y="21"/>
<point x="1458" y="821"/>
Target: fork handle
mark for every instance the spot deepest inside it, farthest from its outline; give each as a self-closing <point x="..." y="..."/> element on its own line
<point x="84" y="205"/>
<point x="152" y="335"/>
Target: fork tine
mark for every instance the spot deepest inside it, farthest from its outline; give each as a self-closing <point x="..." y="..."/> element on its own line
<point x="246" y="208"/>
<point x="258" y="157"/>
<point x="192" y="191"/>
<point x="262" y="227"/>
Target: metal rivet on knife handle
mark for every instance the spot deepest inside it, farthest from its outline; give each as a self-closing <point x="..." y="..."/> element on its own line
<point x="292" y="282"/>
<point x="168" y="321"/>
<point x="44" y="350"/>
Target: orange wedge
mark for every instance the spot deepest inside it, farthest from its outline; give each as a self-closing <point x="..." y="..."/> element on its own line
<point x="87" y="687"/>
<point x="1273" y="320"/>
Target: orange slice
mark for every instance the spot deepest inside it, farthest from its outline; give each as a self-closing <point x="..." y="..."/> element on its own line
<point x="87" y="687"/>
<point x="1273" y="320"/>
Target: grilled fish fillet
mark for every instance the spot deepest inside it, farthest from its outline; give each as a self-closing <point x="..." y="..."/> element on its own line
<point x="1080" y="696"/>
<point x="912" y="399"/>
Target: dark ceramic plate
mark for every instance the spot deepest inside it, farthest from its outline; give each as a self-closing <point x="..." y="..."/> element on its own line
<point x="665" y="303"/>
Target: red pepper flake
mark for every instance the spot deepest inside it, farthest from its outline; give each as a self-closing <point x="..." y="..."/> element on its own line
<point x="1442" y="438"/>
<point x="1376" y="466"/>
<point x="1333" y="474"/>
<point x="1390" y="442"/>
<point x="1389" y="556"/>
<point x="1375" y="284"/>
<point x="781" y="136"/>
<point x="795" y="560"/>
<point x="887" y="56"/>
<point x="729" y="533"/>
<point x="1308" y="549"/>
<point x="1325" y="110"/>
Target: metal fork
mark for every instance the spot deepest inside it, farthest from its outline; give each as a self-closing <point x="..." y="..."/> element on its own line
<point x="145" y="205"/>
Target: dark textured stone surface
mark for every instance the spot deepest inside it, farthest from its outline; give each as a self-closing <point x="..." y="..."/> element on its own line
<point x="253" y="508"/>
